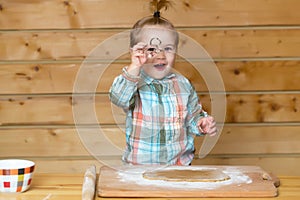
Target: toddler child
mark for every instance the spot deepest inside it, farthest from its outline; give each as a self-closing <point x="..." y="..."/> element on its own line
<point x="163" y="112"/>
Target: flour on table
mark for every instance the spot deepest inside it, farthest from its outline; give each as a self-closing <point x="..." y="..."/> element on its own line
<point x="135" y="175"/>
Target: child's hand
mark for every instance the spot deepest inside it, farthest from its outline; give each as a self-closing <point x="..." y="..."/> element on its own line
<point x="207" y="125"/>
<point x="138" y="56"/>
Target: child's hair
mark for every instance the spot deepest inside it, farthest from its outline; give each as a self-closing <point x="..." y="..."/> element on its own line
<point x="155" y="19"/>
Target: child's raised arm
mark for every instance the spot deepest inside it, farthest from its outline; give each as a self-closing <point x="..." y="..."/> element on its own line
<point x="138" y="59"/>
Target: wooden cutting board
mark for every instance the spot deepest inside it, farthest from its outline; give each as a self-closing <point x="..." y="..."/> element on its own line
<point x="130" y="181"/>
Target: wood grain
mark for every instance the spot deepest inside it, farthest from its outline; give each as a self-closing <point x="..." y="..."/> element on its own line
<point x="222" y="43"/>
<point x="61" y="142"/>
<point x="254" y="43"/>
<point x="60" y="109"/>
<point x="93" y="14"/>
<point x="69" y="188"/>
<point x="238" y="76"/>
<point x="112" y="183"/>
<point x="284" y="165"/>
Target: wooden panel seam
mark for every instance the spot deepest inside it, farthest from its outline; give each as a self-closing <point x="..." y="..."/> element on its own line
<point x="181" y="28"/>
<point x="126" y="61"/>
<point x="101" y="94"/>
<point x="114" y="157"/>
<point x="96" y="126"/>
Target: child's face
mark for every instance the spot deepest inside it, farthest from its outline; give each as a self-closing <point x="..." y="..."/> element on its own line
<point x="160" y="51"/>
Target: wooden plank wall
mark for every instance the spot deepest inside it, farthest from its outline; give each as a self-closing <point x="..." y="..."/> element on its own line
<point x="254" y="43"/>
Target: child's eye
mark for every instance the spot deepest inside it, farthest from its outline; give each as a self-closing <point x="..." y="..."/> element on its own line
<point x="169" y="49"/>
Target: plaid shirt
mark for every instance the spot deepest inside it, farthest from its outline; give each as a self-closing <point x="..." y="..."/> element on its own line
<point x="161" y="118"/>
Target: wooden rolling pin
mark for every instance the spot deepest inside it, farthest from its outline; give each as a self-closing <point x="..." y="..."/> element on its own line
<point x="89" y="183"/>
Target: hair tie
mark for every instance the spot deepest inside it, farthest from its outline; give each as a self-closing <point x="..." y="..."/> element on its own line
<point x="156" y="14"/>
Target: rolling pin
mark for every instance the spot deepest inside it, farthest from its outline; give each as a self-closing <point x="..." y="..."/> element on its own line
<point x="89" y="183"/>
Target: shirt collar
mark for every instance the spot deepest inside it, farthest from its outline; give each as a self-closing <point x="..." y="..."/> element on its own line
<point x="149" y="79"/>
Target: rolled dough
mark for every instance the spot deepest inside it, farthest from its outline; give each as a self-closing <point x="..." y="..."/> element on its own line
<point x="187" y="175"/>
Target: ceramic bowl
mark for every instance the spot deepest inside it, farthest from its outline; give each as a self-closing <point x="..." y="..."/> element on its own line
<point x="15" y="175"/>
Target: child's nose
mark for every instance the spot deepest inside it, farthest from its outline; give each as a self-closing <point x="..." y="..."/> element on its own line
<point x="161" y="54"/>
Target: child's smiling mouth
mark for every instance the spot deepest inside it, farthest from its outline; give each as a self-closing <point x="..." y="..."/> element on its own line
<point x="160" y="66"/>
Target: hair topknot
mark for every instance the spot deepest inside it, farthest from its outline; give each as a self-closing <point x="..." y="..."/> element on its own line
<point x="157" y="5"/>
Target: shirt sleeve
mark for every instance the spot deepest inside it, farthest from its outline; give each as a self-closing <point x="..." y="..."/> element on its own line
<point x="123" y="90"/>
<point x="195" y="112"/>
